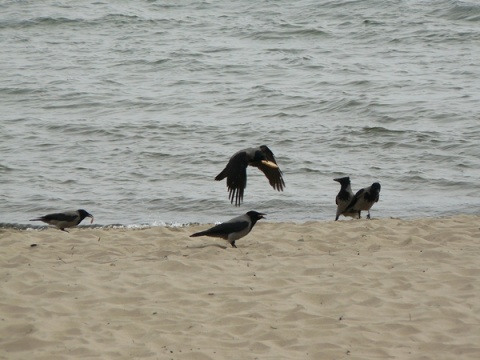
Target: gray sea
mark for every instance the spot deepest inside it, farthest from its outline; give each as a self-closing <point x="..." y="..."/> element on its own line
<point x="129" y="109"/>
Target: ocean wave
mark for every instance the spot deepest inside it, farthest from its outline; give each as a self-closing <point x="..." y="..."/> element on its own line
<point x="461" y="10"/>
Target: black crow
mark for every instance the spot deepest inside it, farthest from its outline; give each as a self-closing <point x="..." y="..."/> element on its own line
<point x="236" y="171"/>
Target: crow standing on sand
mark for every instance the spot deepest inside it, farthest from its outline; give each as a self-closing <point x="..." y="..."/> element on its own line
<point x="66" y="219"/>
<point x="233" y="229"/>
<point x="344" y="198"/>
<point x="236" y="171"/>
<point x="364" y="199"/>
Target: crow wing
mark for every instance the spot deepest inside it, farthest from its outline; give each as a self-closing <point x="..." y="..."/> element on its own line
<point x="236" y="174"/>
<point x="60" y="217"/>
<point x="355" y="199"/>
<point x="224" y="229"/>
<point x="274" y="176"/>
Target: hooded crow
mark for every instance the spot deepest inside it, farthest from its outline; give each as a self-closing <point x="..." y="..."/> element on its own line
<point x="344" y="197"/>
<point x="236" y="171"/>
<point x="233" y="229"/>
<point x="364" y="199"/>
<point x="66" y="219"/>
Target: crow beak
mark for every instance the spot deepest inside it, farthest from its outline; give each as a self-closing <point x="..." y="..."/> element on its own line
<point x="270" y="164"/>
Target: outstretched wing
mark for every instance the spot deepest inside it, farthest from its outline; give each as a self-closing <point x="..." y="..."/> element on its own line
<point x="236" y="174"/>
<point x="274" y="175"/>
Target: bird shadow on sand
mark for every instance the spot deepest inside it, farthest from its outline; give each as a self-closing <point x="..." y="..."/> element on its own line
<point x="207" y="245"/>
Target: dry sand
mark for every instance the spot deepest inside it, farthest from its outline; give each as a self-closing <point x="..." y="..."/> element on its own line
<point x="352" y="289"/>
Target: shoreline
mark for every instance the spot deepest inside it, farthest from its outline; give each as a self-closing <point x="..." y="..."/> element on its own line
<point x="140" y="226"/>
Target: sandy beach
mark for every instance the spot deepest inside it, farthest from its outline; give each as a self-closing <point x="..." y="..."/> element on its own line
<point x="352" y="289"/>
